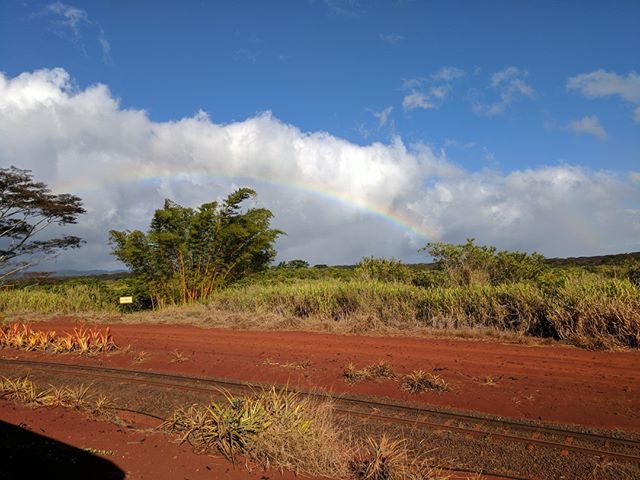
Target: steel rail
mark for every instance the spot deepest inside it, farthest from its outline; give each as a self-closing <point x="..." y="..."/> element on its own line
<point x="195" y="383"/>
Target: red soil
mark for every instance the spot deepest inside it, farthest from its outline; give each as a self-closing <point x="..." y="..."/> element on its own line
<point x="551" y="383"/>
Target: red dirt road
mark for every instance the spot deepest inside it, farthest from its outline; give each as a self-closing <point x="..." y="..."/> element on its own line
<point x="549" y="383"/>
<point x="137" y="455"/>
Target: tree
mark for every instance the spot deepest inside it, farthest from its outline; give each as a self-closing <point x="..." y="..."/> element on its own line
<point x="382" y="270"/>
<point x="296" y="263"/>
<point x="468" y="263"/>
<point x="188" y="253"/>
<point x="27" y="208"/>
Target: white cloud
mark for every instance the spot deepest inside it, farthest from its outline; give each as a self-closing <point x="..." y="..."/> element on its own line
<point x="601" y="83"/>
<point x="430" y="92"/>
<point x="123" y="165"/>
<point x="417" y="99"/>
<point x="510" y="85"/>
<point x="447" y="74"/>
<point x="383" y="116"/>
<point x="589" y="125"/>
<point x="391" y="38"/>
<point x="72" y="19"/>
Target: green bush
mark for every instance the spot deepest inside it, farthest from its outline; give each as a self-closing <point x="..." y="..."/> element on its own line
<point x="382" y="270"/>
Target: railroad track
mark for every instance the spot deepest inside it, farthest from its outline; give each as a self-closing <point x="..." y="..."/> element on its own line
<point x="565" y="439"/>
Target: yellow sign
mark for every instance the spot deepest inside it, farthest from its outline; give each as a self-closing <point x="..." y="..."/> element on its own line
<point x="126" y="300"/>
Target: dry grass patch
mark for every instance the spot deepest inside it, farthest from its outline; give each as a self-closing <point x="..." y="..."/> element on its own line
<point x="292" y="365"/>
<point x="274" y="427"/>
<point x="390" y="459"/>
<point x="376" y="371"/>
<point x="489" y="381"/>
<point x="419" y="381"/>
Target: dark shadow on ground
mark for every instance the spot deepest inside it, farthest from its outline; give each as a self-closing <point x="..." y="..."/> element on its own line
<point x="28" y="455"/>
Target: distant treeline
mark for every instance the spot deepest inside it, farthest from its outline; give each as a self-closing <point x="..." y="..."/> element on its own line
<point x="595" y="261"/>
<point x="53" y="278"/>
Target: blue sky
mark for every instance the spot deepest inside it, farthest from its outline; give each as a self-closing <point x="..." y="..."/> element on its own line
<point x="490" y="87"/>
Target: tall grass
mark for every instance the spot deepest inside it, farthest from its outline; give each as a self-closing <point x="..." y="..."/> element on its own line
<point x="584" y="308"/>
<point x="79" y="298"/>
<point x="587" y="310"/>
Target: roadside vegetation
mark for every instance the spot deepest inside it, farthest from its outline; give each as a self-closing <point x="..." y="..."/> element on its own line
<point x="21" y="336"/>
<point x="218" y="255"/>
<point x="24" y="391"/>
<point x="281" y="429"/>
<point x="275" y="428"/>
<point x="469" y="287"/>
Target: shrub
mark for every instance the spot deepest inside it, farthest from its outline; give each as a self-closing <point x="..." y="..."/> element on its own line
<point x="382" y="270"/>
<point x="469" y="264"/>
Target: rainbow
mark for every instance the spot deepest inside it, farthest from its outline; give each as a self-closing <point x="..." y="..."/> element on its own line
<point x="392" y="216"/>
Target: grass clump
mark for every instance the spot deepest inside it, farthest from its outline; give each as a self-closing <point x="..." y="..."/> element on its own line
<point x="419" y="381"/>
<point x="376" y="371"/>
<point x="389" y="459"/>
<point x="24" y="391"/>
<point x="274" y="427"/>
<point x="21" y="336"/>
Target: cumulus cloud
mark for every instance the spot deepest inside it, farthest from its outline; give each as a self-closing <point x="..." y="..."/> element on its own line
<point x="430" y="92"/>
<point x="510" y="85"/>
<point x="588" y="125"/>
<point x="336" y="200"/>
<point x="601" y="83"/>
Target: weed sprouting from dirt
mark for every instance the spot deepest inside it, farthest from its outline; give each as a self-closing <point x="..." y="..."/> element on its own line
<point x="419" y="381"/>
<point x="275" y="427"/>
<point x="178" y="357"/>
<point x="23" y="390"/>
<point x="141" y="357"/>
<point x="21" y="336"/>
<point x="376" y="371"/>
<point x="489" y="381"/>
<point x="292" y="365"/>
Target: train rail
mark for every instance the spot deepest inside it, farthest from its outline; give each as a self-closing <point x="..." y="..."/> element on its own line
<point x="605" y="445"/>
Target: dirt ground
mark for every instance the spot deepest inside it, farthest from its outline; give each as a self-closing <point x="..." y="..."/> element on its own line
<point x="550" y="383"/>
<point x="73" y="445"/>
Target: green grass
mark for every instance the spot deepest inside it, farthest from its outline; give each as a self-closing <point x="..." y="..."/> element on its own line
<point x="593" y="310"/>
<point x="586" y="310"/>
<point x="79" y="298"/>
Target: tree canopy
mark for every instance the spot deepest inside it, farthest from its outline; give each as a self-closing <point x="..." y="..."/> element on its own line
<point x="27" y="208"/>
<point x="468" y="263"/>
<point x="188" y="253"/>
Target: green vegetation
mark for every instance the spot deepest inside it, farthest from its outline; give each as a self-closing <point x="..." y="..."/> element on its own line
<point x="274" y="427"/>
<point x="586" y="310"/>
<point x="188" y="254"/>
<point x="469" y="287"/>
<point x="471" y="264"/>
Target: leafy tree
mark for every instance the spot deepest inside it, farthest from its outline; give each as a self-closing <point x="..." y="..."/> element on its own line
<point x="464" y="264"/>
<point x="382" y="269"/>
<point x="297" y="263"/>
<point x="468" y="263"/>
<point x="188" y="253"/>
<point x="27" y="208"/>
